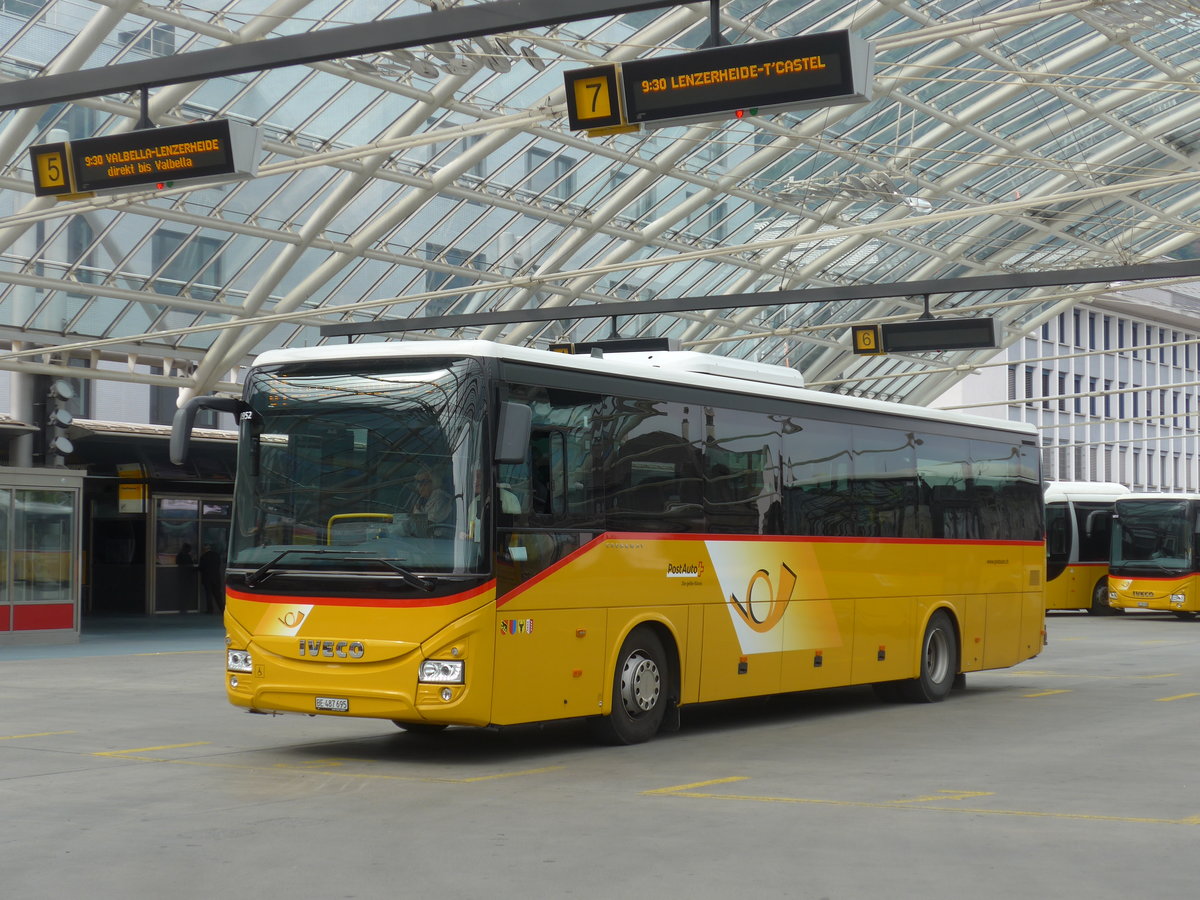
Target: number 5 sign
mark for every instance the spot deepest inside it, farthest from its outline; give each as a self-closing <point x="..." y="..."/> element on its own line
<point x="51" y="169"/>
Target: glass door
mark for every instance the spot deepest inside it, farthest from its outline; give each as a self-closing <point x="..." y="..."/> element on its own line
<point x="185" y="529"/>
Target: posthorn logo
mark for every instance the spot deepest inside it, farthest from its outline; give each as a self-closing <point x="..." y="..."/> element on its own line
<point x="685" y="570"/>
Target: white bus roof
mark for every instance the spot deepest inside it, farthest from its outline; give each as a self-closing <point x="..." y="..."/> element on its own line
<point x="1163" y="496"/>
<point x="1062" y="491"/>
<point x="667" y="367"/>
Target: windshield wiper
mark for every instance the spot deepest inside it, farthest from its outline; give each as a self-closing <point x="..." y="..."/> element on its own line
<point x="1150" y="565"/>
<point x="412" y="579"/>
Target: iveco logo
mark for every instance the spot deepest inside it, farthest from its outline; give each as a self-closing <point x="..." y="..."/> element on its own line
<point x="1143" y="593"/>
<point x="333" y="649"/>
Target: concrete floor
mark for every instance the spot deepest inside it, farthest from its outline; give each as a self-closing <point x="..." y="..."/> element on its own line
<point x="123" y="773"/>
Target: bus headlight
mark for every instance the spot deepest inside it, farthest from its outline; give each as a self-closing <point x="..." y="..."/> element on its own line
<point x="239" y="661"/>
<point x="441" y="671"/>
<point x="1178" y="599"/>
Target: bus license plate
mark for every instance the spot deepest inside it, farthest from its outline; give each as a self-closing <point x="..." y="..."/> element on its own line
<point x="333" y="704"/>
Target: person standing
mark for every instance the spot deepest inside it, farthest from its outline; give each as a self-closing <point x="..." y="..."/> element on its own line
<point x="185" y="569"/>
<point x="212" y="579"/>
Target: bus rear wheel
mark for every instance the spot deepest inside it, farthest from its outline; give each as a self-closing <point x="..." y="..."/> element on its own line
<point x="939" y="662"/>
<point x="639" y="691"/>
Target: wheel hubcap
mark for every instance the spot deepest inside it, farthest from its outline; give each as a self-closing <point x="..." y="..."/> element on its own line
<point x="640" y="684"/>
<point x="937" y="657"/>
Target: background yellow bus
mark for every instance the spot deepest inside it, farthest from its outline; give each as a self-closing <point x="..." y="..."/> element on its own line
<point x="615" y="537"/>
<point x="1078" y="542"/>
<point x="1156" y="554"/>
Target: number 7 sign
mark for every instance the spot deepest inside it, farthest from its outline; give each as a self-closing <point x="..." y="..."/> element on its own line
<point x="594" y="98"/>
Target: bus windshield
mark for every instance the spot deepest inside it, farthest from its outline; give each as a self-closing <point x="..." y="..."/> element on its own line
<point x="361" y="471"/>
<point x="1152" y="536"/>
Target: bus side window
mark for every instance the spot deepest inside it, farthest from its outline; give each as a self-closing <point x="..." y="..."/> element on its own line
<point x="548" y="474"/>
<point x="1058" y="534"/>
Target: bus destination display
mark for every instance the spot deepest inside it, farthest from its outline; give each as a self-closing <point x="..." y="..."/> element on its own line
<point x="161" y="154"/>
<point x="199" y="151"/>
<point x="811" y="70"/>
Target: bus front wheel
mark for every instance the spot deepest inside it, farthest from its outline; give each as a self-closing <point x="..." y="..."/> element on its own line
<point x="1100" y="605"/>
<point x="639" y="691"/>
<point x="939" y="662"/>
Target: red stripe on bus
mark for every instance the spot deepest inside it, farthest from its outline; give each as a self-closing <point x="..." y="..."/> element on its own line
<point x="705" y="538"/>
<point x="398" y="602"/>
<point x="554" y="567"/>
<point x="814" y="539"/>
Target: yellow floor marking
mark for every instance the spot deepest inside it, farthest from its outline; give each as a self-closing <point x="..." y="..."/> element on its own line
<point x="1176" y="697"/>
<point x="699" y="784"/>
<point x="173" y="652"/>
<point x="540" y="771"/>
<point x="15" y="737"/>
<point x="685" y="790"/>
<point x="949" y="795"/>
<point x="132" y="753"/>
<point x="1047" y="693"/>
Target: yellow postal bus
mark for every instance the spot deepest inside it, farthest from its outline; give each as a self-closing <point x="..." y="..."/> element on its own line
<point x="1078" y="542"/>
<point x="467" y="533"/>
<point x="1156" y="554"/>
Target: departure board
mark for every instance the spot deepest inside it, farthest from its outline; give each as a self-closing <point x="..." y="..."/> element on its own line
<point x="199" y="151"/>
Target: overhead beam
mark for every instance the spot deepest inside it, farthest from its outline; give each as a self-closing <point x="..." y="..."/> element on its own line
<point x="419" y="30"/>
<point x="832" y="294"/>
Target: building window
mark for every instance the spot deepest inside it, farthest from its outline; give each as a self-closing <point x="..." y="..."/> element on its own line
<point x="437" y="281"/>
<point x="182" y="261"/>
<point x="26" y="9"/>
<point x="549" y="175"/>
<point x="158" y="40"/>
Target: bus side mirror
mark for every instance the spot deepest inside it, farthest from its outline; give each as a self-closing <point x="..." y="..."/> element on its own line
<point x="512" y="437"/>
<point x="185" y="416"/>
<point x="1096" y="515"/>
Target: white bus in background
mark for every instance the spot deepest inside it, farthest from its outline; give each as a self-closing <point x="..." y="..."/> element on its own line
<point x="1078" y="528"/>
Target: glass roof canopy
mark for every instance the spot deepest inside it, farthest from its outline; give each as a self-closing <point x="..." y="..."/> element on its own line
<point x="1003" y="137"/>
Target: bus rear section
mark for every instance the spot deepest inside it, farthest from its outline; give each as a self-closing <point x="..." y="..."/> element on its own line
<point x="1155" y="554"/>
<point x="1078" y="543"/>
